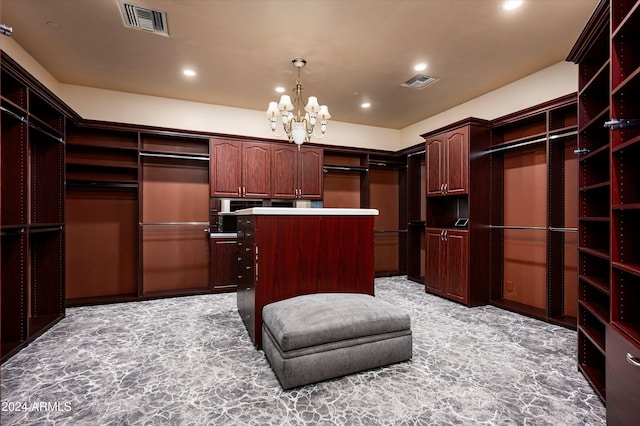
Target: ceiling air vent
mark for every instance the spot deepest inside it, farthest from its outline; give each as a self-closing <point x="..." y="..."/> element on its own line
<point x="154" y="21"/>
<point x="419" y="81"/>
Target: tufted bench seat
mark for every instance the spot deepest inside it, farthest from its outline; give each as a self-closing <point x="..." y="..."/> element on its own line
<point x="317" y="337"/>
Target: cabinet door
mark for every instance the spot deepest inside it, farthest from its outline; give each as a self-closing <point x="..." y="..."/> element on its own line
<point x="457" y="158"/>
<point x="456" y="261"/>
<point x="623" y="377"/>
<point x="256" y="170"/>
<point x="310" y="173"/>
<point x="225" y="168"/>
<point x="433" y="264"/>
<point x="435" y="164"/>
<point x="284" y="166"/>
<point x="223" y="264"/>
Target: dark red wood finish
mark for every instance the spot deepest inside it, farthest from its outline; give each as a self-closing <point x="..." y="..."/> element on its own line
<point x="623" y="378"/>
<point x="296" y="173"/>
<point x="295" y="255"/>
<point x="223" y="264"/>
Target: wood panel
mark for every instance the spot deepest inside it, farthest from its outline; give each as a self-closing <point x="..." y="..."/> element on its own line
<point x="106" y="263"/>
<point x="525" y="256"/>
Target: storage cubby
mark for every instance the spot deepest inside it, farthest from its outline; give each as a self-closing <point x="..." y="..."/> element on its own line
<point x="13" y="91"/>
<point x="46" y="114"/>
<point x="594" y="270"/>
<point x="592" y="325"/>
<point x="345" y="180"/>
<point x="626" y="299"/>
<point x="594" y="236"/>
<point x="47" y="280"/>
<point x="14" y="156"/>
<point x="47" y="178"/>
<point x="626" y="244"/>
<point x="178" y="144"/>
<point x="625" y="175"/>
<point x="101" y="158"/>
<point x="594" y="170"/>
<point x="595" y="301"/>
<point x="593" y="204"/>
<point x="591" y="361"/>
<point x="623" y="43"/>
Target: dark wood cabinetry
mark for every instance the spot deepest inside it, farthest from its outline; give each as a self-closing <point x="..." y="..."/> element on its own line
<point x="533" y="204"/>
<point x="457" y="218"/>
<point x="102" y="196"/>
<point x="447" y="162"/>
<point x="223" y="263"/>
<point x="296" y="173"/>
<point x="282" y="255"/>
<point x="447" y="263"/>
<point x="240" y="169"/>
<point x="32" y="233"/>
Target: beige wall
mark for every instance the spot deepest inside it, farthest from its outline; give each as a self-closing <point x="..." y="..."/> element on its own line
<point x="98" y="104"/>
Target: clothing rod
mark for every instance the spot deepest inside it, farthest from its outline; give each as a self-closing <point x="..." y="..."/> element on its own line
<point x="346" y="168"/>
<point x="174" y="224"/>
<point x="563" y="135"/>
<point x="14" y="232"/>
<point x="30" y="124"/>
<point x="181" y="157"/>
<point x="45" y="132"/>
<point x="518" y="145"/>
<point x="98" y="184"/>
<point x="390" y="231"/>
<point x="525" y="228"/>
<point x="416" y="153"/>
<point x="13" y="114"/>
<point x="559" y="229"/>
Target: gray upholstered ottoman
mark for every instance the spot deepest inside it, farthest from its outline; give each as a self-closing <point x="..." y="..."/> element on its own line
<point x="316" y="337"/>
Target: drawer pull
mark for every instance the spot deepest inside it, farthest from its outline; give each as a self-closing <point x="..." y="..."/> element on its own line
<point x="632" y="360"/>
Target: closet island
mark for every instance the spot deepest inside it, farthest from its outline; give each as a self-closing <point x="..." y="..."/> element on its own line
<point x="287" y="252"/>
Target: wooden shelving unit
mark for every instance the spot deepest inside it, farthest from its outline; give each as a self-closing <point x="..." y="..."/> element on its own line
<point x="32" y="224"/>
<point x="533" y="212"/>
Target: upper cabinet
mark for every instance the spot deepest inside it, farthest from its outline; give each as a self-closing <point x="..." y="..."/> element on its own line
<point x="240" y="169"/>
<point x="296" y="173"/>
<point x="447" y="160"/>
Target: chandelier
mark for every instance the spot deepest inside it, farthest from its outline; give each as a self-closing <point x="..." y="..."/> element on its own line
<point x="298" y="128"/>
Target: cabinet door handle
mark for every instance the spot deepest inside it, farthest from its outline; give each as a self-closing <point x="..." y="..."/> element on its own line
<point x="239" y="192"/>
<point x="632" y="360"/>
<point x="446" y="188"/>
<point x="445" y="234"/>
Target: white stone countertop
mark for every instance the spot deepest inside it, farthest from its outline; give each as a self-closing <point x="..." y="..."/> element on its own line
<point x="290" y="211"/>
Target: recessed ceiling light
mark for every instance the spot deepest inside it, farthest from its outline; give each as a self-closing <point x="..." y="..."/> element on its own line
<point x="365" y="105"/>
<point x="511" y="4"/>
<point x="280" y="89"/>
<point x="189" y="73"/>
<point x="420" y="67"/>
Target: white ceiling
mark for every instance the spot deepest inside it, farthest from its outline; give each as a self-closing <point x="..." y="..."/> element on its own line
<point x="356" y="50"/>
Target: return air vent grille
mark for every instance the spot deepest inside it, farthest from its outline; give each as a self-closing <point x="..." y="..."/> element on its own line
<point x="419" y="81"/>
<point x="154" y="21"/>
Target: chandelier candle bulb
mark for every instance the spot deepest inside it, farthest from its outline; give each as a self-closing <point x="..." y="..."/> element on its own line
<point x="298" y="128"/>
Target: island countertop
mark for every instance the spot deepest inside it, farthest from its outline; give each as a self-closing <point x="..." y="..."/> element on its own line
<point x="304" y="211"/>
